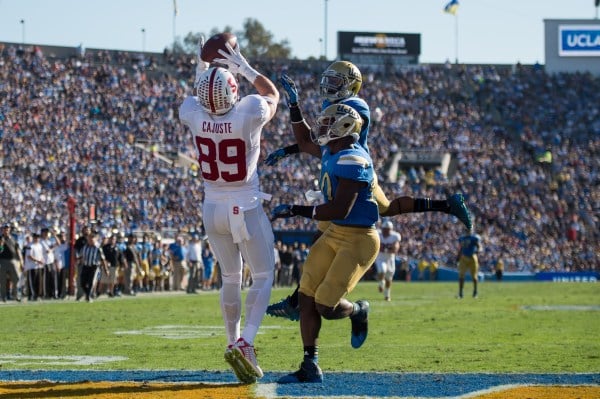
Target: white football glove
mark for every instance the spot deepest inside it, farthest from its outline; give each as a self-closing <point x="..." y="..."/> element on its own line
<point x="201" y="66"/>
<point x="237" y="63"/>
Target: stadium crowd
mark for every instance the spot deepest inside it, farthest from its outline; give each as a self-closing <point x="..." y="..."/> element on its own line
<point x="526" y="148"/>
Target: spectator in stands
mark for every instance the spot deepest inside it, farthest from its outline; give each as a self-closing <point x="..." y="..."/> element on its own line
<point x="208" y="260"/>
<point x="113" y="255"/>
<point x="144" y="249"/>
<point x="286" y="257"/>
<point x="11" y="263"/>
<point x="155" y="266"/>
<point x="194" y="262"/>
<point x="300" y="254"/>
<point x="61" y="261"/>
<point x="132" y="266"/>
<point x="34" y="267"/>
<point x="49" y="242"/>
<point x="178" y="256"/>
<point x="80" y="242"/>
<point x="486" y="117"/>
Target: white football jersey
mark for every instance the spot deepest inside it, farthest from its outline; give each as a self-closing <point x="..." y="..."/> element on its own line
<point x="388" y="241"/>
<point x="228" y="146"/>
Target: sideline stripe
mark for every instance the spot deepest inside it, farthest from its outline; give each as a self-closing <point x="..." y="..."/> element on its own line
<point x="140" y="390"/>
<point x="123" y="390"/>
<point x="539" y="392"/>
<point x="365" y="384"/>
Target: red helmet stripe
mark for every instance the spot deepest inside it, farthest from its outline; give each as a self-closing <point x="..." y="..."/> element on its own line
<point x="211" y="98"/>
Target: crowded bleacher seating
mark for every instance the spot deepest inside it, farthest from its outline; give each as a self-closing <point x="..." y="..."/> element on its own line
<point x="525" y="144"/>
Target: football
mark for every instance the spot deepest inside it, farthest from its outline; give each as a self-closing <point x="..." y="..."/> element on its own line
<point x="211" y="48"/>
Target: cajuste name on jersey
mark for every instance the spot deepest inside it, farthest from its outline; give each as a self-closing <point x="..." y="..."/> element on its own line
<point x="216" y="127"/>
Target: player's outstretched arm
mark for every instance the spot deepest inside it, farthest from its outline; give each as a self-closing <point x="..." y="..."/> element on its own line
<point x="267" y="89"/>
<point x="300" y="127"/>
<point x="201" y="66"/>
<point x="237" y="63"/>
<point x="281" y="153"/>
<point x="339" y="208"/>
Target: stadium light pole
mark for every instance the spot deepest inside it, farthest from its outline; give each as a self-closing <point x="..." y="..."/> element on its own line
<point x="143" y="40"/>
<point x="325" y="32"/>
<point x="175" y="13"/>
<point x="321" y="49"/>
<point x="456" y="38"/>
<point x="22" y="31"/>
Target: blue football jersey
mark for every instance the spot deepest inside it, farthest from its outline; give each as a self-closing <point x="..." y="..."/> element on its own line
<point x="469" y="245"/>
<point x="362" y="108"/>
<point x="355" y="164"/>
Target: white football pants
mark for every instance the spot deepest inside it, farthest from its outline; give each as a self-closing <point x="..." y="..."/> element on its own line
<point x="256" y="251"/>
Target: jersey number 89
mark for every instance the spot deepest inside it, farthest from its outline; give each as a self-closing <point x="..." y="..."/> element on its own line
<point x="212" y="154"/>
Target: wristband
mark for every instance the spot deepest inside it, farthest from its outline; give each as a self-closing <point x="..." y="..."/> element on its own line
<point x="249" y="73"/>
<point x="429" y="205"/>
<point x="303" y="210"/>
<point x="291" y="149"/>
<point x="296" y="114"/>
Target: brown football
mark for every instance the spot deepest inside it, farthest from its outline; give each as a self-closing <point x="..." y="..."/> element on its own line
<point x="211" y="48"/>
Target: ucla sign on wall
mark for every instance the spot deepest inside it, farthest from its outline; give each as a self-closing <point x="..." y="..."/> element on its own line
<point x="579" y="40"/>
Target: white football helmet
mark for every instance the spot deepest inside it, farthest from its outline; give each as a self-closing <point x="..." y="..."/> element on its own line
<point x="217" y="90"/>
<point x="341" y="80"/>
<point x="335" y="122"/>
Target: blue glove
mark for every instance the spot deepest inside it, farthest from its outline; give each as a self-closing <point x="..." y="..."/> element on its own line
<point x="291" y="92"/>
<point x="275" y="157"/>
<point x="282" y="211"/>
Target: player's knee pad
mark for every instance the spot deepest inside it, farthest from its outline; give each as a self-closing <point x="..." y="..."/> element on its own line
<point x="264" y="279"/>
<point x="234" y="278"/>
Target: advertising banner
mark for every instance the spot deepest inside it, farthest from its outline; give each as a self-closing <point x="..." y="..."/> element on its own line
<point x="563" y="277"/>
<point x="379" y="43"/>
<point x="579" y="40"/>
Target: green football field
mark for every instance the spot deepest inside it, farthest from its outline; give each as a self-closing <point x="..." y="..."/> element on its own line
<point x="511" y="327"/>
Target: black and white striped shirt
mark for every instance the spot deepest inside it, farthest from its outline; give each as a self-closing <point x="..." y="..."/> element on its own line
<point x="90" y="255"/>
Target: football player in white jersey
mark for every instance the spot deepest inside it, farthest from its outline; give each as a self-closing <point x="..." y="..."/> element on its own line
<point x="226" y="130"/>
<point x="386" y="259"/>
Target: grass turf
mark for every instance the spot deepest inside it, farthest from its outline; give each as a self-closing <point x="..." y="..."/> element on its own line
<point x="424" y="329"/>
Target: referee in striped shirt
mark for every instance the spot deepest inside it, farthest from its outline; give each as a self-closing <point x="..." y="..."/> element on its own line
<point x="91" y="257"/>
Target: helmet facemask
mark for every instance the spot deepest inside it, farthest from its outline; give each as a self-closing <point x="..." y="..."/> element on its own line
<point x="336" y="121"/>
<point x="340" y="80"/>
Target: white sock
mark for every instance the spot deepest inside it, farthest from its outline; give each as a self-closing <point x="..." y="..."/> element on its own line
<point x="257" y="301"/>
<point x="231" y="308"/>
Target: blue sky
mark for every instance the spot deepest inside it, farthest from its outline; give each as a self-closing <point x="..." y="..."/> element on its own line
<point x="489" y="31"/>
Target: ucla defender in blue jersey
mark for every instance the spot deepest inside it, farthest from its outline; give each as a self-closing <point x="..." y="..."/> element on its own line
<point x="347" y="248"/>
<point x="340" y="84"/>
<point x="469" y="247"/>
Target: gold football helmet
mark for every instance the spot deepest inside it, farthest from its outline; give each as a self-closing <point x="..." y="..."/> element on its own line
<point x="341" y="80"/>
<point x="335" y="122"/>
